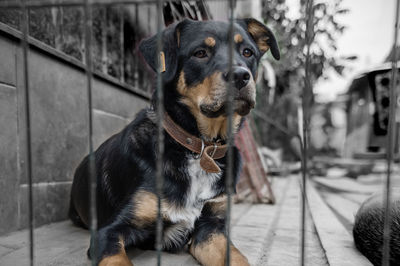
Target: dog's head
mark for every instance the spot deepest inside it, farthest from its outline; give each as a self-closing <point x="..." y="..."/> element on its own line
<point x="196" y="56"/>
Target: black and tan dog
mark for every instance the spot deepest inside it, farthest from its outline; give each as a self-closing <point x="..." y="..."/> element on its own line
<point x="195" y="82"/>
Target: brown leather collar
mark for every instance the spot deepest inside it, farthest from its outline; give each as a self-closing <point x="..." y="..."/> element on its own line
<point x="207" y="151"/>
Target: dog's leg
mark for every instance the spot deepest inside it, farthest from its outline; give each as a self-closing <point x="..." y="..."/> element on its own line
<point x="118" y="259"/>
<point x="112" y="240"/>
<point x="209" y="242"/>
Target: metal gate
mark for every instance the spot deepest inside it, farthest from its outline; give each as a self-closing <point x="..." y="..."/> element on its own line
<point x="25" y="5"/>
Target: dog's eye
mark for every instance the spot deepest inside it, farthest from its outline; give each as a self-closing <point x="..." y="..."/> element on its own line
<point x="200" y="53"/>
<point x="247" y="52"/>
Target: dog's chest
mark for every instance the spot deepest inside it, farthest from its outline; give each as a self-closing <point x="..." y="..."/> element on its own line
<point x="201" y="188"/>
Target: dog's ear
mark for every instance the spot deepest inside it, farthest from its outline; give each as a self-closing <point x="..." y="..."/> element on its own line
<point x="167" y="60"/>
<point x="262" y="35"/>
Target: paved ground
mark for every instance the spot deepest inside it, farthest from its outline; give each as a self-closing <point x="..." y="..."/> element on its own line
<point x="344" y="195"/>
<point x="267" y="234"/>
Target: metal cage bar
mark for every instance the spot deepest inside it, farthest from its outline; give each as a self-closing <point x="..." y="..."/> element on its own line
<point x="390" y="145"/>
<point x="229" y="174"/>
<point x="25" y="47"/>
<point x="92" y="167"/>
<point x="121" y="44"/>
<point x="160" y="134"/>
<point x="306" y="101"/>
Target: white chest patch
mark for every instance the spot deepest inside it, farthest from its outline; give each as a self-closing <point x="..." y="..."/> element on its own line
<point x="200" y="190"/>
<point x="202" y="183"/>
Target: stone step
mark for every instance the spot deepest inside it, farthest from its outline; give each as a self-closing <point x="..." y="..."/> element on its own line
<point x="335" y="239"/>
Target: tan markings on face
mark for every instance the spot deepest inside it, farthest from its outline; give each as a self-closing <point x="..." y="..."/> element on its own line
<point x="210" y="41"/>
<point x="211" y="91"/>
<point x="258" y="33"/>
<point x="238" y="38"/>
<point x="181" y="87"/>
<point x="212" y="252"/>
<point x="119" y="259"/>
<point x="214" y="127"/>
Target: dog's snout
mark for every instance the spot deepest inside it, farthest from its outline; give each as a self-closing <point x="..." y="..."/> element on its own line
<point x="241" y="77"/>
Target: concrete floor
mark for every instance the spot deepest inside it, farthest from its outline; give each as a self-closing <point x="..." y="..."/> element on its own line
<point x="266" y="234"/>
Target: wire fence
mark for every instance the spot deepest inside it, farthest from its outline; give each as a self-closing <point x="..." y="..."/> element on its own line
<point x="25" y="6"/>
<point x="390" y="148"/>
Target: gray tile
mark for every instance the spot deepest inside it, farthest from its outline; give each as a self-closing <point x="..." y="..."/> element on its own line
<point x="5" y="250"/>
<point x="8" y="61"/>
<point x="50" y="203"/>
<point x="59" y="118"/>
<point x="111" y="100"/>
<point x="8" y="159"/>
<point x="105" y="125"/>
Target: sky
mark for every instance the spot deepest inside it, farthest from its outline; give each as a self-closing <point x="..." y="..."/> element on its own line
<point x="369" y="36"/>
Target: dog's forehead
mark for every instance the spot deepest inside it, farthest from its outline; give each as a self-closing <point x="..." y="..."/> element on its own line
<point x="216" y="30"/>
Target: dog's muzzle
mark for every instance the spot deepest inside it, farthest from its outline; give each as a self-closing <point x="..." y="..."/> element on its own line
<point x="243" y="90"/>
<point x="240" y="77"/>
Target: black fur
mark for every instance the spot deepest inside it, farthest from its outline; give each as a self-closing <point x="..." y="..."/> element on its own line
<point x="126" y="162"/>
<point x="368" y="228"/>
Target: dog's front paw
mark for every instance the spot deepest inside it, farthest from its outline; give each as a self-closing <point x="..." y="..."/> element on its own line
<point x="120" y="259"/>
<point x="212" y="252"/>
<point x="237" y="258"/>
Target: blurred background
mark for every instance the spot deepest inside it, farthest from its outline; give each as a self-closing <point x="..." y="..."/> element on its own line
<point x="350" y="64"/>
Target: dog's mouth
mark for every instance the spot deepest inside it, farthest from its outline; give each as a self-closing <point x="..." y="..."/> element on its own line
<point x="241" y="106"/>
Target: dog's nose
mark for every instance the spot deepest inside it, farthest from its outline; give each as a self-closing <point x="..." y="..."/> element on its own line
<point x="241" y="77"/>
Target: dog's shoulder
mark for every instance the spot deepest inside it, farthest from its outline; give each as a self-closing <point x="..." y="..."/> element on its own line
<point x="138" y="134"/>
<point x="144" y="124"/>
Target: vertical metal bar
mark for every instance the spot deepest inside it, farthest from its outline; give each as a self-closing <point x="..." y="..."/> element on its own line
<point x="136" y="59"/>
<point x="229" y="174"/>
<point x="306" y="116"/>
<point x="25" y="46"/>
<point x="92" y="169"/>
<point x="149" y="18"/>
<point x="160" y="134"/>
<point x="390" y="143"/>
<point x="104" y="44"/>
<point x="121" y="44"/>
